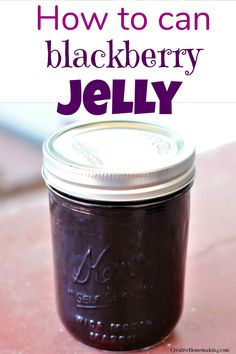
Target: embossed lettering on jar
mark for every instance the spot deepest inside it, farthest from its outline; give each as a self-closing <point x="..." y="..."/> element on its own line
<point x="119" y="198"/>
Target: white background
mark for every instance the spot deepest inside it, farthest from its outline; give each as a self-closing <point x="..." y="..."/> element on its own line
<point x="23" y="63"/>
<point x="205" y="105"/>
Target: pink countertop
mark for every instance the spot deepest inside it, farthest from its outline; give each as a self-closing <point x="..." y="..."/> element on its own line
<point x="29" y="323"/>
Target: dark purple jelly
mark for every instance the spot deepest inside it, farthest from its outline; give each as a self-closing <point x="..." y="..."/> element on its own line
<point x="120" y="268"/>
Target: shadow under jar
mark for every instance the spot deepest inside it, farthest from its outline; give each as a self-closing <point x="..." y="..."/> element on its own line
<point x="119" y="199"/>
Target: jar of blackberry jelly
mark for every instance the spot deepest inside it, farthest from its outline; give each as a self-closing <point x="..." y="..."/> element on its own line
<point x="119" y="200"/>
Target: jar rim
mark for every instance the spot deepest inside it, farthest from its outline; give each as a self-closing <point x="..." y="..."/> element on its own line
<point x="113" y="204"/>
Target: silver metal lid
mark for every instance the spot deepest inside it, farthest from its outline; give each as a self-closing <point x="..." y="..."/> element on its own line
<point x="117" y="161"/>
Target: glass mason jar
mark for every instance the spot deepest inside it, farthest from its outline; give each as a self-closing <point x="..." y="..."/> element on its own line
<point x="119" y="199"/>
